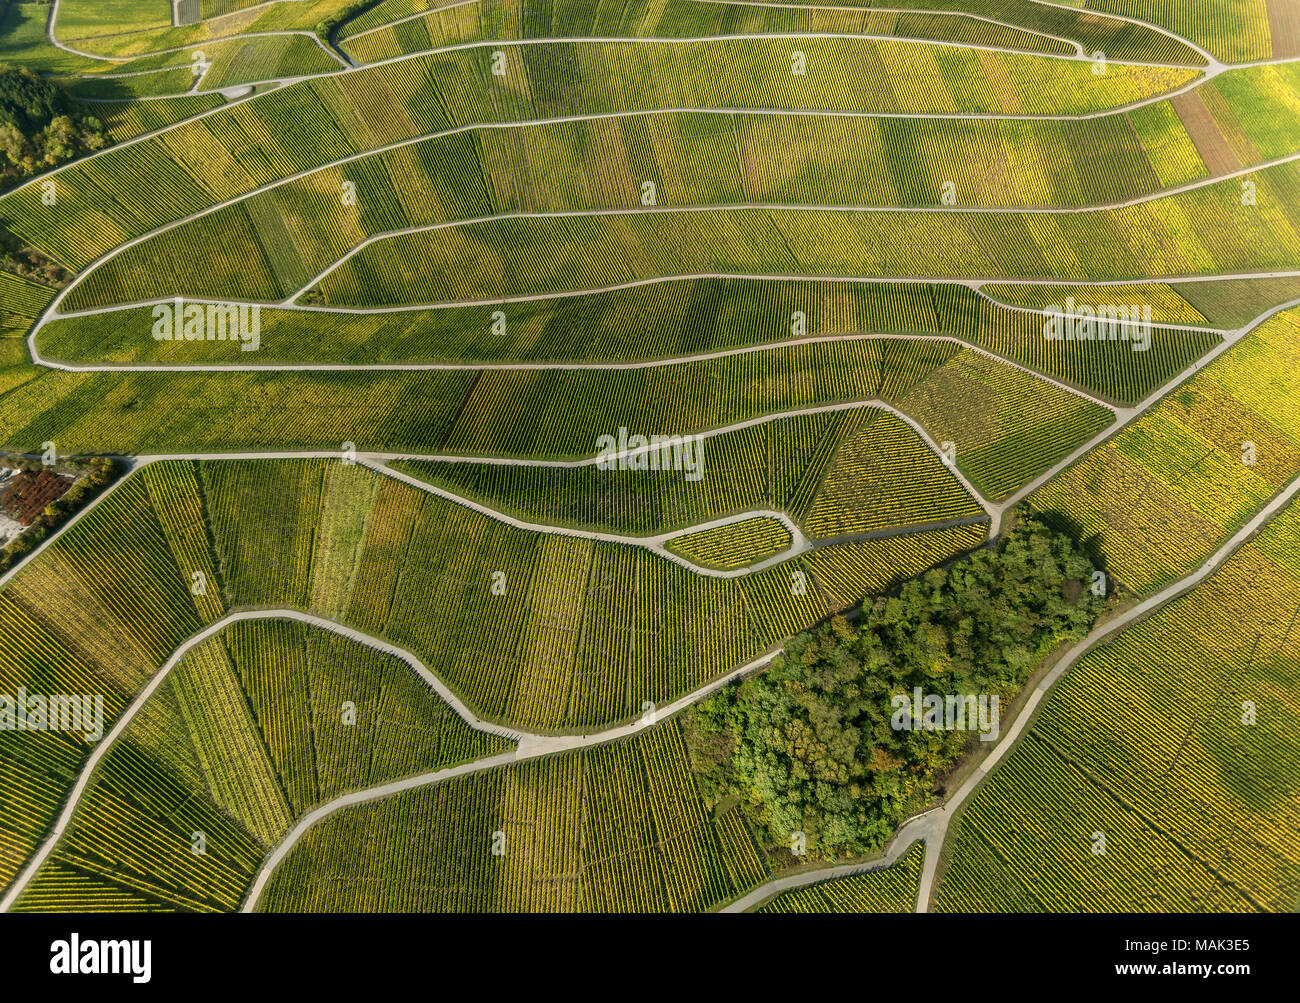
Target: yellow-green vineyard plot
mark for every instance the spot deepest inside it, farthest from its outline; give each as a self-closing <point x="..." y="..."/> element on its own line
<point x="777" y="464"/>
<point x="395" y="27"/>
<point x="883" y="476"/>
<point x="1001" y="424"/>
<point x="675" y="318"/>
<point x="616" y="828"/>
<point x="178" y="502"/>
<point x="518" y="622"/>
<point x="110" y="588"/>
<point x="1200" y="804"/>
<point x="1201" y="231"/>
<point x="542" y="413"/>
<point x="302" y="226"/>
<point x="890" y="889"/>
<point x="1167" y="306"/>
<point x="1007" y="425"/>
<point x="1231" y="30"/>
<point x="312" y="123"/>
<point x="123" y="413"/>
<point x="264" y="517"/>
<point x="37" y="767"/>
<point x="848" y="572"/>
<point x="346" y="498"/>
<point x="336" y="715"/>
<point x="734" y="545"/>
<point x="550" y="637"/>
<point x="1041" y="811"/>
<point x="24" y="300"/>
<point x="518" y="412"/>
<point x="251" y="729"/>
<point x="1140" y="359"/>
<point x="1168" y="489"/>
<point x="92" y="616"/>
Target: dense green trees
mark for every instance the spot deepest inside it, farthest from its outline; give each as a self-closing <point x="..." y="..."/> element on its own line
<point x="811" y="744"/>
<point x="40" y="125"/>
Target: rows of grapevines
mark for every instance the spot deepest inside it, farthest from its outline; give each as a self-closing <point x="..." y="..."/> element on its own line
<point x="885" y="477"/>
<point x="735" y="545"/>
<point x="847" y="572"/>
<point x="616" y="828"/>
<point x="778" y="465"/>
<point x="891" y="889"/>
<point x="253" y="727"/>
<point x="1172" y="486"/>
<point x="1127" y="370"/>
<point x="1197" y="810"/>
<point x="1023" y="426"/>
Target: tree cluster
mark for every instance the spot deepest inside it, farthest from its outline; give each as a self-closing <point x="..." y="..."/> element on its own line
<point x="40" y="125"/>
<point x="808" y="745"/>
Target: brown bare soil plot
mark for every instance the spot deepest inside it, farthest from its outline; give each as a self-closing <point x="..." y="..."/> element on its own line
<point x="1206" y="136"/>
<point x="1284" y="28"/>
<point x="29" y="492"/>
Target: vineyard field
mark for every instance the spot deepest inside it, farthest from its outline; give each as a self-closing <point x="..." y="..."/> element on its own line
<point x="778" y="465"/>
<point x="618" y="828"/>
<point x="735" y="545"/>
<point x="1199" y="808"/>
<point x="1167" y="490"/>
<point x="889" y="890"/>
<point x="247" y="733"/>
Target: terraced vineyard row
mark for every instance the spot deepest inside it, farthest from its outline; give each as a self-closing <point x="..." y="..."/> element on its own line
<point x="735" y="545"/>
<point x="664" y="320"/>
<point x="374" y="36"/>
<point x="250" y="730"/>
<point x="261" y="141"/>
<point x="847" y="572"/>
<point x="774" y="465"/>
<point x="883" y="475"/>
<point x="1205" y="231"/>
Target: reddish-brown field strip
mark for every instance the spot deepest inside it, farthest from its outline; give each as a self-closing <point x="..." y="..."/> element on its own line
<point x="1206" y="135"/>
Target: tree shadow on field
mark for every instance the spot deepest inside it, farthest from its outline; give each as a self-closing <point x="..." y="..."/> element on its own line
<point x="1091" y="546"/>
